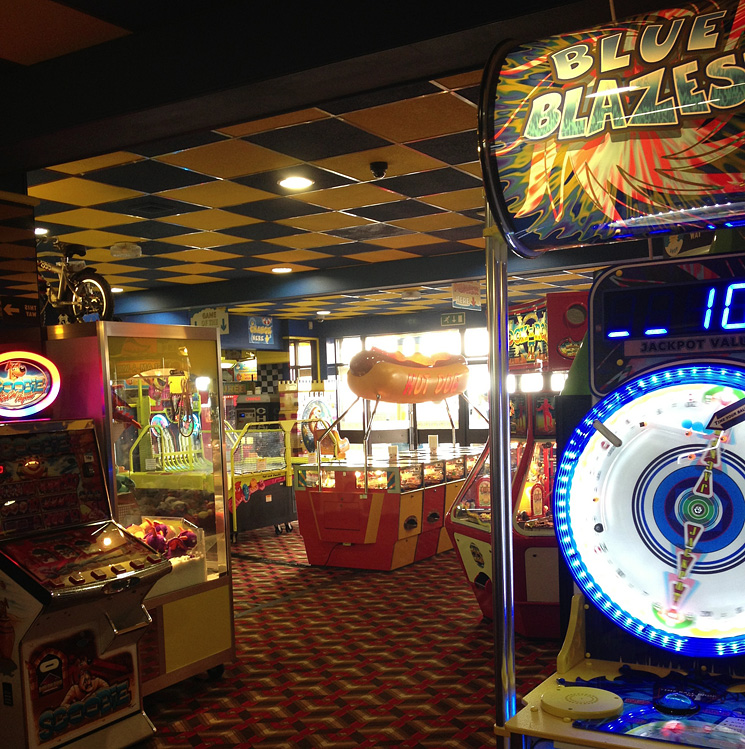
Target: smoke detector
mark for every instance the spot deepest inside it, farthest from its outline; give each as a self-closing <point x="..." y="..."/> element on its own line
<point x="410" y="295"/>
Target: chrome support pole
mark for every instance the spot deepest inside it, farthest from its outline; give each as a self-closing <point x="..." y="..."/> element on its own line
<point x="500" y="485"/>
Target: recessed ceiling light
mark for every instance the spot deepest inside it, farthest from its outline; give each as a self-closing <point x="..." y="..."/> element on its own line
<point x="116" y="289"/>
<point x="296" y="183"/>
<point x="323" y="312"/>
<point x="281" y="269"/>
<point x="40" y="231"/>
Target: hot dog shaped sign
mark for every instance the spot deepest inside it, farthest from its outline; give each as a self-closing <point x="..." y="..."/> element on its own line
<point x="395" y="378"/>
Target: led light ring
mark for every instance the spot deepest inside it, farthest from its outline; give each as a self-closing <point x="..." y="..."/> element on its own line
<point x="584" y="449"/>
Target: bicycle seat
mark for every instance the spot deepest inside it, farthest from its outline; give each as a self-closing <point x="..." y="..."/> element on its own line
<point x="70" y="250"/>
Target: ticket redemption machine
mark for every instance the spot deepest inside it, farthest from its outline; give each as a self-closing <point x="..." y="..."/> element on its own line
<point x="72" y="584"/>
<point x="468" y="522"/>
<point x="650" y="517"/>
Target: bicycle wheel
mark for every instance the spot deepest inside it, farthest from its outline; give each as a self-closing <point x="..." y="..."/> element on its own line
<point x="92" y="298"/>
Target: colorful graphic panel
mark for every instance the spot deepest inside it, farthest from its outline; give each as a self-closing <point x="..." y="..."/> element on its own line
<point x="618" y="132"/>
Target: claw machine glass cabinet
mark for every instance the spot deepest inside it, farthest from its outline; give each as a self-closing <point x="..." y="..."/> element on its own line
<point x="154" y="392"/>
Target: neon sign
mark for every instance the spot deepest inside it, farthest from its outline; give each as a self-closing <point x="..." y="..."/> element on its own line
<point x="28" y="383"/>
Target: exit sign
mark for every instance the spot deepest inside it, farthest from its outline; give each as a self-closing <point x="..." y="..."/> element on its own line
<point x="453" y="318"/>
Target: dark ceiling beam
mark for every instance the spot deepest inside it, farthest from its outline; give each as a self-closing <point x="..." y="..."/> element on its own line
<point x="438" y="270"/>
<point x="242" y="66"/>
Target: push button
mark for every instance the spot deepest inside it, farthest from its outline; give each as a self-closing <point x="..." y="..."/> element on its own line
<point x="117" y="569"/>
<point x="76" y="578"/>
<point x="98" y="575"/>
<point x="135" y="565"/>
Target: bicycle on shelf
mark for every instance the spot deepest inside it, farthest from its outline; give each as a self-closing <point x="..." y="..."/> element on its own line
<point x="71" y="287"/>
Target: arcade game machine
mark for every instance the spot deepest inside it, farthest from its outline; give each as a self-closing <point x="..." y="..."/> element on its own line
<point x="650" y="511"/>
<point x="154" y="393"/>
<point x="533" y="463"/>
<point x="72" y="584"/>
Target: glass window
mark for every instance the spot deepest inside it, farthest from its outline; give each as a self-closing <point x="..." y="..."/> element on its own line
<point x="476" y="342"/>
<point x="477" y="393"/>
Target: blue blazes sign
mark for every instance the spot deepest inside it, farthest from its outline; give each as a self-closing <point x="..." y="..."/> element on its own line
<point x="261" y="331"/>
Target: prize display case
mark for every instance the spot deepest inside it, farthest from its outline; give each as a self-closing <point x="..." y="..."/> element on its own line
<point x="154" y="393"/>
<point x="379" y="514"/>
<point x="536" y="562"/>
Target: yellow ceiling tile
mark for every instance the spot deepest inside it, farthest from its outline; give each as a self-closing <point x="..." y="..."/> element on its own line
<point x="195" y="268"/>
<point x="192" y="280"/>
<point x="81" y="192"/>
<point x="96" y="238"/>
<point x="400" y="159"/>
<point x="268" y="268"/>
<point x="115" y="280"/>
<point x="89" y="218"/>
<point x="349" y="196"/>
<point x="273" y="123"/>
<point x="475" y="242"/>
<point x="198" y="256"/>
<point x="210" y="220"/>
<point x="217" y="194"/>
<point x="405" y="240"/>
<point x="473" y="168"/>
<point x="229" y="158"/>
<point x="307" y="240"/>
<point x="82" y="166"/>
<point x="458" y="200"/>
<point x="461" y="80"/>
<point x="436" y="222"/>
<point x="416" y="119"/>
<point x="325" y="221"/>
<point x="292" y="256"/>
<point x="114" y="268"/>
<point x="203" y="239"/>
<point x="382" y="256"/>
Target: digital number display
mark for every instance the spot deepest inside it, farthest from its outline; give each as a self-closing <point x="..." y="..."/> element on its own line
<point x="667" y="310"/>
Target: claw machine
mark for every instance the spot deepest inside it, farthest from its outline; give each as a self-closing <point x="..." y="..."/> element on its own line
<point x="155" y="395"/>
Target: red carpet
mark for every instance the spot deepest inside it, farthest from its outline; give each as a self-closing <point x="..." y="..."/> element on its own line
<point x="330" y="657"/>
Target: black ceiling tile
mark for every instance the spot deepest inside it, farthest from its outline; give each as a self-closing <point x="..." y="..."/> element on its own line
<point x="182" y="143"/>
<point x="381" y="96"/>
<point x="430" y="183"/>
<point x="43" y="177"/>
<point x="475" y="231"/>
<point x="478" y="214"/>
<point x="472" y="94"/>
<point x="149" y="229"/>
<point x="269" y="181"/>
<point x="369" y="231"/>
<point x="150" y="206"/>
<point x="331" y="262"/>
<point x="55" y="230"/>
<point x="442" y="248"/>
<point x="263" y="230"/>
<point x="459" y="148"/>
<point x="395" y="211"/>
<point x="148" y="176"/>
<point x="275" y="209"/>
<point x="49" y="207"/>
<point x="148" y="261"/>
<point x="321" y="139"/>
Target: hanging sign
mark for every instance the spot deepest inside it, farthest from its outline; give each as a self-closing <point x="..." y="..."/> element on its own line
<point x="467" y="295"/>
<point x="618" y="132"/>
<point x="29" y="383"/>
<point x="260" y="331"/>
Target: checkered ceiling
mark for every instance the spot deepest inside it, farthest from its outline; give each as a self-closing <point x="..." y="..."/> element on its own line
<point x="207" y="209"/>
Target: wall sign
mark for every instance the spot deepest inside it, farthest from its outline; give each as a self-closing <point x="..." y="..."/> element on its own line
<point x="261" y="331"/>
<point x="618" y="132"/>
<point x="28" y="383"/>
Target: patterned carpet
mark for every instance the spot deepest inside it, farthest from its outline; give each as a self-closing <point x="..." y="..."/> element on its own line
<point x="351" y="659"/>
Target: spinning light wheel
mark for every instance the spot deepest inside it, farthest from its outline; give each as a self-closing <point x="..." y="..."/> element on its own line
<point x="650" y="509"/>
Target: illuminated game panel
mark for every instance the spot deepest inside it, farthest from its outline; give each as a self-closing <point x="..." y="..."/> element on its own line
<point x="650" y="509"/>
